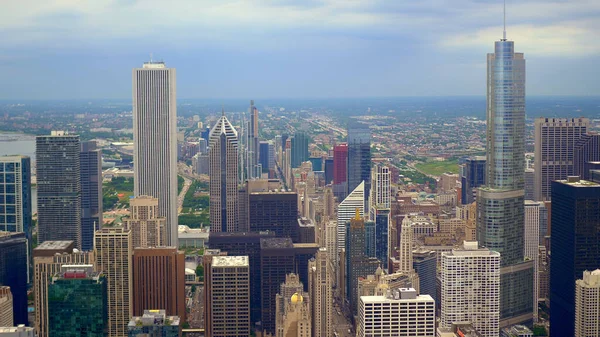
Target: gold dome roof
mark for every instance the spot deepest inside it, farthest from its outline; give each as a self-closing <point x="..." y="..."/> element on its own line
<point x="297" y="298"/>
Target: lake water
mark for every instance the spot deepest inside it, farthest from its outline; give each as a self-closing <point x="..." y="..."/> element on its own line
<point x="20" y="144"/>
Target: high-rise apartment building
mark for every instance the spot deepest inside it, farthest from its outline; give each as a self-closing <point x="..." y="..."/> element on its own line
<point x="555" y="140"/>
<point x="159" y="281"/>
<point x="359" y="157"/>
<point x="13" y="272"/>
<point x="48" y="258"/>
<point x="586" y="152"/>
<point x="399" y="313"/>
<point x="535" y="215"/>
<point x="148" y="228"/>
<point x="77" y="302"/>
<point x="320" y="288"/>
<point x="154" y="322"/>
<point x="229" y="296"/>
<point x="6" y="307"/>
<point x="470" y="289"/>
<point x="500" y="203"/>
<point x="155" y="140"/>
<point x="346" y="211"/>
<point x="223" y="172"/>
<point x="59" y="187"/>
<point x="575" y="246"/>
<point x="299" y="148"/>
<point x="472" y="177"/>
<point x="113" y="248"/>
<point x="587" y="304"/>
<point x="90" y="164"/>
<point x="15" y="215"/>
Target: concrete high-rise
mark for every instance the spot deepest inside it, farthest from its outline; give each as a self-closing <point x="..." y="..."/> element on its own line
<point x="359" y="157"/>
<point x="535" y="214"/>
<point x="253" y="167"/>
<point x="77" y="302"/>
<point x="500" y="203"/>
<point x="347" y="210"/>
<point x="223" y="172"/>
<point x="575" y="246"/>
<point x="155" y="140"/>
<point x="405" y="251"/>
<point x="148" y="228"/>
<point x="13" y="271"/>
<point x="587" y="304"/>
<point x="90" y="160"/>
<point x="6" y="307"/>
<point x="472" y="177"/>
<point x="229" y="296"/>
<point x="399" y="313"/>
<point x="555" y="140"/>
<point x="320" y="288"/>
<point x="113" y="248"/>
<point x="471" y="288"/>
<point x="48" y="258"/>
<point x="59" y="194"/>
<point x="158" y="281"/>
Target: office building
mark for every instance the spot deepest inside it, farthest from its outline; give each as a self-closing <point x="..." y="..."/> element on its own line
<point x="266" y="157"/>
<point x="19" y="331"/>
<point x="48" y="258"/>
<point x="555" y="140"/>
<point x="293" y="309"/>
<point x="379" y="210"/>
<point x="425" y="265"/>
<point x="148" y="228"/>
<point x="223" y="172"/>
<point x="320" y="288"/>
<point x="359" y="157"/>
<point x="529" y="184"/>
<point x="585" y="154"/>
<point x="90" y="164"/>
<point x="275" y="211"/>
<point x="155" y="139"/>
<point x="77" y="301"/>
<point x="159" y="281"/>
<point x="400" y="313"/>
<point x="535" y="215"/>
<point x="114" y="250"/>
<point x="299" y="144"/>
<point x="13" y="272"/>
<point x="253" y="169"/>
<point x="59" y="194"/>
<point x="15" y="215"/>
<point x="329" y="169"/>
<point x="500" y="203"/>
<point x="575" y="246"/>
<point x="340" y="171"/>
<point x="229" y="296"/>
<point x="587" y="304"/>
<point x="346" y="211"/>
<point x="6" y="307"/>
<point x="154" y="322"/>
<point x="471" y="288"/>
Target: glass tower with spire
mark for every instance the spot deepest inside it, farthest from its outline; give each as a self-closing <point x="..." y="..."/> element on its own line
<point x="500" y="203"/>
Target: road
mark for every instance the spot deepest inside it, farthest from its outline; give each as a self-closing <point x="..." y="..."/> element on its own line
<point x="196" y="314"/>
<point x="341" y="320"/>
<point x="186" y="186"/>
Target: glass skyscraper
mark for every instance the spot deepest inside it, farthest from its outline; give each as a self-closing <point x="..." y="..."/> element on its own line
<point x="359" y="157"/>
<point x="500" y="202"/>
<point x="299" y="148"/>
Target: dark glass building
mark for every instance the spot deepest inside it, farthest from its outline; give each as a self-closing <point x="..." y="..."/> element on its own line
<point x="370" y="237"/>
<point x="329" y="169"/>
<point x="13" y="272"/>
<point x="359" y="157"/>
<point x="299" y="148"/>
<point x="587" y="150"/>
<point x="274" y="211"/>
<point x="473" y="176"/>
<point x="575" y="233"/>
<point x="425" y="265"/>
<point x="91" y="193"/>
<point x="59" y="187"/>
<point x="382" y="218"/>
<point x="77" y="303"/>
<point x="264" y="156"/>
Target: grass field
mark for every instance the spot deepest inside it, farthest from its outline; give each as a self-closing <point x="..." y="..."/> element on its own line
<point x="436" y="168"/>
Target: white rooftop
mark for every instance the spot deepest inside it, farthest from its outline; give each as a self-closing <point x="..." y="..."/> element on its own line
<point x="230" y="261"/>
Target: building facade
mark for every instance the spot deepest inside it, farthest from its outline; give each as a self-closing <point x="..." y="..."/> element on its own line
<point x="6" y="307"/>
<point x="155" y="139"/>
<point x="148" y="228"/>
<point x="299" y="144"/>
<point x="359" y="157"/>
<point x="347" y="210"/>
<point x="586" y="155"/>
<point x="587" y="304"/>
<point x="16" y="192"/>
<point x="154" y="322"/>
<point x="320" y="288"/>
<point x="90" y="160"/>
<point x="13" y="272"/>
<point x="472" y="177"/>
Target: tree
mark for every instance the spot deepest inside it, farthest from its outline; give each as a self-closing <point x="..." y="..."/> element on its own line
<point x="200" y="272"/>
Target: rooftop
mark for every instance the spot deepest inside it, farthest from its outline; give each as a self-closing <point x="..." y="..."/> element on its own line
<point x="230" y="261"/>
<point x="152" y="318"/>
<point x="13" y="329"/>
<point x="54" y="245"/>
<point x="270" y="243"/>
<point x="404" y="294"/>
<point x="577" y="182"/>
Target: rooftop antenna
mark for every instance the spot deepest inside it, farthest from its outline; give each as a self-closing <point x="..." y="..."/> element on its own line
<point x="504" y="32"/>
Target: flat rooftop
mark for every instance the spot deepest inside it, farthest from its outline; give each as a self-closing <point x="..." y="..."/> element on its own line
<point x="271" y="243"/>
<point x="230" y="261"/>
<point x="54" y="245"/>
<point x="576" y="182"/>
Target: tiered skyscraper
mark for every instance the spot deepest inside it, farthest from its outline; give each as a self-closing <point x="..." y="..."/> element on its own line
<point x="500" y="202"/>
<point x="223" y="172"/>
<point x="155" y="139"/>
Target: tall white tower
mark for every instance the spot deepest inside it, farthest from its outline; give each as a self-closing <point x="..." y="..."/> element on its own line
<point x="155" y="140"/>
<point x="587" y="304"/>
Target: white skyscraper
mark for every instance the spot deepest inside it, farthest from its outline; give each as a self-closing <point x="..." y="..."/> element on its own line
<point x="400" y="313"/>
<point x="533" y="210"/>
<point x="471" y="288"/>
<point x="347" y="211"/>
<point x="155" y="139"/>
<point x="587" y="304"/>
<point x="406" y="246"/>
<point x="320" y="288"/>
<point x="380" y="190"/>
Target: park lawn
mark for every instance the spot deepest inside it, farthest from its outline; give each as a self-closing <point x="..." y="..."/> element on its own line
<point x="436" y="168"/>
<point x="125" y="197"/>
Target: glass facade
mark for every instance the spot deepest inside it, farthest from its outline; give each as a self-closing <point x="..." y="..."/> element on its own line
<point x="382" y="218"/>
<point x="359" y="157"/>
<point x="299" y="149"/>
<point x="15" y="194"/>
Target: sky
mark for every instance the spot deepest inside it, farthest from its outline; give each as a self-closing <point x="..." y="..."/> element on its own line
<point x="86" y="49"/>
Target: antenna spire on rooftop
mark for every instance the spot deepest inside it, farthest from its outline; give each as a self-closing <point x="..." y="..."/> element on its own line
<point x="504" y="32"/>
<point x="222" y="109"/>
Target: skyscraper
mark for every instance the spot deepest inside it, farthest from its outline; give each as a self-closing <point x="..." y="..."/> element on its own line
<point x="471" y="288"/>
<point x="587" y="150"/>
<point x="500" y="203"/>
<point x="6" y="307"/>
<point x="535" y="214"/>
<point x="347" y="210"/>
<point x="252" y="162"/>
<point x="273" y="211"/>
<point x="158" y="281"/>
<point x="155" y="140"/>
<point x="299" y="148"/>
<point x="320" y="289"/>
<point x="147" y="227"/>
<point x="13" y="272"/>
<point x="359" y="157"/>
<point x="223" y="172"/>
<point x="113" y="248"/>
<point x="59" y="187"/>
<point x="293" y="309"/>
<point x="473" y="176"/>
<point x="379" y="210"/>
<point x="340" y="170"/>
<point x="77" y="300"/>
<point x="90" y="160"/>
<point x="425" y="265"/>
<point x="575" y="246"/>
<point x="555" y="140"/>
<point x="587" y="304"/>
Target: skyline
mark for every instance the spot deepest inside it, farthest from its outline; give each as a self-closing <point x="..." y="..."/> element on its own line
<point x="293" y="49"/>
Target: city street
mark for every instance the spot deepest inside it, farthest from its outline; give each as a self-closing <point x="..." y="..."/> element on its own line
<point x="186" y="186"/>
